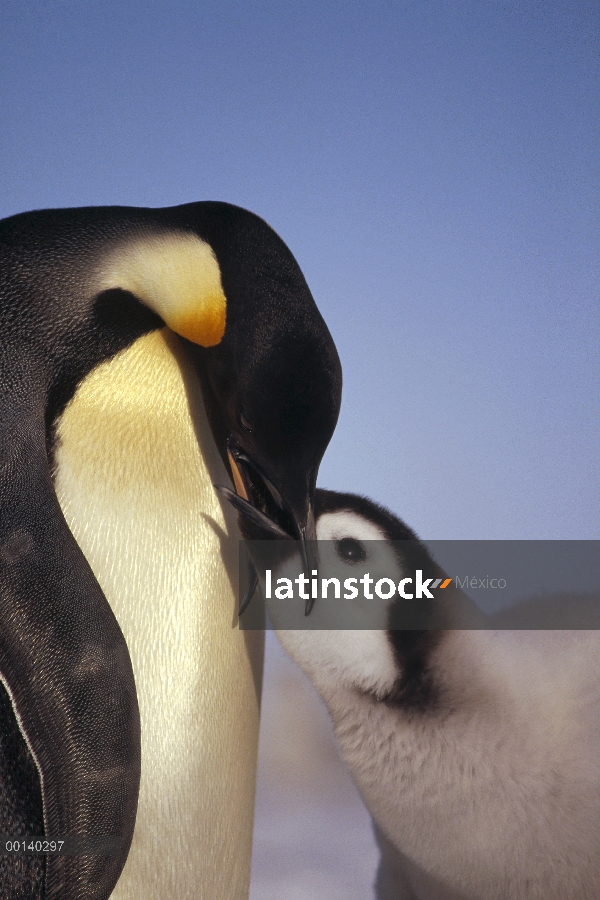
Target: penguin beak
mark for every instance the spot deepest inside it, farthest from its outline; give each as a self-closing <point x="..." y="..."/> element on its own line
<point x="266" y="514"/>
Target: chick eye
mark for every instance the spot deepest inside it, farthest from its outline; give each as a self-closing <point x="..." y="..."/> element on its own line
<point x="350" y="550"/>
<point x="245" y="423"/>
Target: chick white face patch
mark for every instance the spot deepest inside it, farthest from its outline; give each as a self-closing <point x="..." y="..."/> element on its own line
<point x="360" y="659"/>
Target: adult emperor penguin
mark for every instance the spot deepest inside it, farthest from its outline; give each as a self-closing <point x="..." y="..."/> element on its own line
<point x="143" y="352"/>
<point x="475" y="751"/>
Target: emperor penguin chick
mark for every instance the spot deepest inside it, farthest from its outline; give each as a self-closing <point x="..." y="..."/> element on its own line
<point x="475" y="751"/>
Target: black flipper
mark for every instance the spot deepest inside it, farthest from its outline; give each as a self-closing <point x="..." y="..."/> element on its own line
<point x="66" y="666"/>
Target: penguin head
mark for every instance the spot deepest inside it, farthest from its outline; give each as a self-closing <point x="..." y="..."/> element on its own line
<point x="356" y="536"/>
<point x="272" y="385"/>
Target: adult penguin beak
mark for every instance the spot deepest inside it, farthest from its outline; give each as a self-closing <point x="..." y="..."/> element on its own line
<point x="267" y="513"/>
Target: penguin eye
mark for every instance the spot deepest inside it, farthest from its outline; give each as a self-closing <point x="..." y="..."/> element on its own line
<point x="350" y="550"/>
<point x="245" y="423"/>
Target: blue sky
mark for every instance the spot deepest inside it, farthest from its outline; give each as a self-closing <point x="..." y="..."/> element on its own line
<point x="434" y="167"/>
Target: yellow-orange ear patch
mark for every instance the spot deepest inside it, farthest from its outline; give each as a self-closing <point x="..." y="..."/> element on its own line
<point x="177" y="276"/>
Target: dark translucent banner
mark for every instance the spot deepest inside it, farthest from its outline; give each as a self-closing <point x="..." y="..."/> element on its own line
<point x="420" y="585"/>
